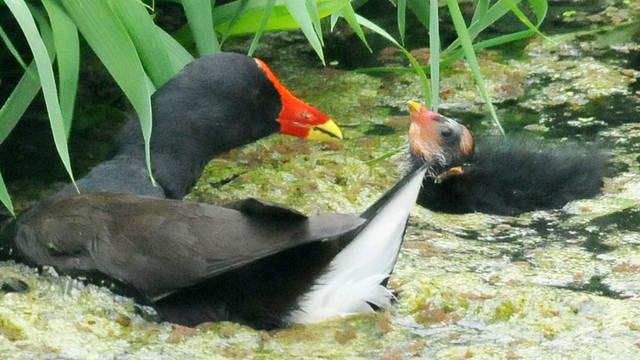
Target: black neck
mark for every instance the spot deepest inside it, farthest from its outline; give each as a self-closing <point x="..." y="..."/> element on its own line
<point x="215" y="104"/>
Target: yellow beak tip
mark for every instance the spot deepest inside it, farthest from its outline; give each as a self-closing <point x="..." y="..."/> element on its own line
<point x="327" y="132"/>
<point x="414" y="106"/>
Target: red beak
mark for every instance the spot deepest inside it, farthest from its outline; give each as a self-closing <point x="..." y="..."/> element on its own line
<point x="298" y="118"/>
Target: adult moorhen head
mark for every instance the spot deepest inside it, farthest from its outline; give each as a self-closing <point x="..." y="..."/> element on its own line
<point x="216" y="103"/>
<point x="255" y="262"/>
<point x="510" y="176"/>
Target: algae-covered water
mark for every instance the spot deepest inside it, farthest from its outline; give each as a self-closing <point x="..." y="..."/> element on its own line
<point x="561" y="284"/>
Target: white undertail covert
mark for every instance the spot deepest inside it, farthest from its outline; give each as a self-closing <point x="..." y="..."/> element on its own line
<point x="354" y="278"/>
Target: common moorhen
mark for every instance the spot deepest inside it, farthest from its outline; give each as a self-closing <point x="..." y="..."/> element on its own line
<point x="512" y="176"/>
<point x="255" y="263"/>
<point x="216" y="103"/>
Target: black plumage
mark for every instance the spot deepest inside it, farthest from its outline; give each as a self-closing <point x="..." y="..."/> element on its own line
<point x="157" y="248"/>
<point x="509" y="176"/>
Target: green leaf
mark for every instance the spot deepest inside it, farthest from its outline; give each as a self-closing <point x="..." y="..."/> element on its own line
<point x="334" y="20"/>
<point x="434" y="60"/>
<point x="146" y="38"/>
<point x="402" y="13"/>
<point x="540" y="8"/>
<point x="108" y="38"/>
<point x="41" y="57"/>
<point x="453" y="51"/>
<point x="481" y="10"/>
<point x="26" y="90"/>
<point x="4" y="197"/>
<point x="523" y="18"/>
<point x="12" y="48"/>
<point x="263" y="23"/>
<point x="199" y="15"/>
<point x="18" y="102"/>
<point x="416" y="66"/>
<point x="178" y="55"/>
<point x="357" y="3"/>
<point x="349" y="15"/>
<point x="280" y="19"/>
<point x="67" y="45"/>
<point x="492" y="15"/>
<point x="242" y="4"/>
<point x="376" y="29"/>
<point x="312" y="7"/>
<point x="421" y="9"/>
<point x="300" y="13"/>
<point x="467" y="46"/>
<point x="402" y="149"/>
<point x="498" y="10"/>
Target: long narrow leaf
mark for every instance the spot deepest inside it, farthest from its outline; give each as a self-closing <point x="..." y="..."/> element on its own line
<point x="350" y="16"/>
<point x="453" y="56"/>
<point x="422" y="75"/>
<point x="109" y="39"/>
<point x="421" y="9"/>
<point x="523" y="18"/>
<point x="467" y="46"/>
<point x="312" y="7"/>
<point x="12" y="49"/>
<point x="26" y="90"/>
<point x="540" y="8"/>
<point x="402" y="13"/>
<point x="263" y="23"/>
<point x="434" y="60"/>
<point x="18" y="102"/>
<point x="4" y="197"/>
<point x="498" y="10"/>
<point x="199" y="14"/>
<point x="334" y="20"/>
<point x="495" y="12"/>
<point x="453" y="52"/>
<point x="503" y="39"/>
<point x="24" y="18"/>
<point x="280" y="19"/>
<point x="299" y="12"/>
<point x="482" y="6"/>
<point x="67" y="44"/>
<point x="357" y="3"/>
<point x="146" y="38"/>
<point x="178" y="55"/>
<point x="242" y="4"/>
<point x="416" y="66"/>
<point x="376" y="29"/>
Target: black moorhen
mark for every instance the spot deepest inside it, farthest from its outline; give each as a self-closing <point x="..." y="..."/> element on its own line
<point x="255" y="263"/>
<point x="216" y="103"/>
<point x="512" y="176"/>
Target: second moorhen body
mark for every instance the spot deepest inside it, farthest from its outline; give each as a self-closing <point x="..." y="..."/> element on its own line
<point x="510" y="176"/>
<point x="255" y="263"/>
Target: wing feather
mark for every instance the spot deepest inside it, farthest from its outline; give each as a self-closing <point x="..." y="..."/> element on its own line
<point x="158" y="246"/>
